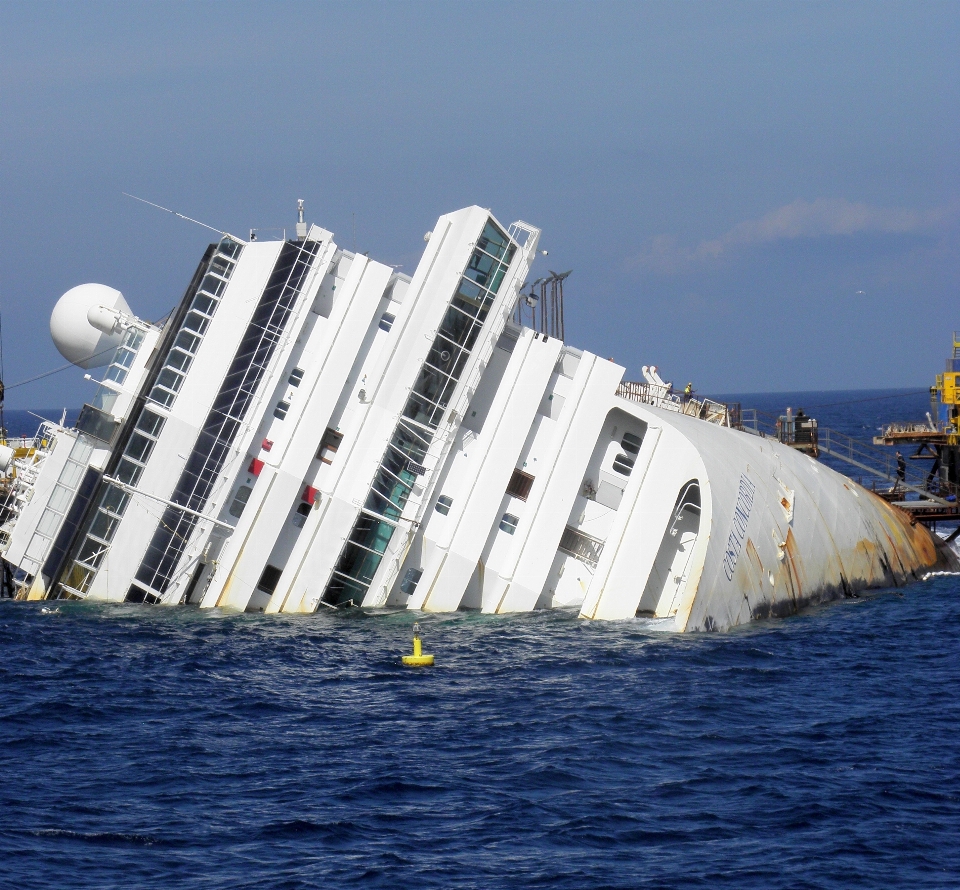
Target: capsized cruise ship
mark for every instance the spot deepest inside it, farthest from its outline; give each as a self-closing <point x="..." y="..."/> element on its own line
<point x="310" y="429"/>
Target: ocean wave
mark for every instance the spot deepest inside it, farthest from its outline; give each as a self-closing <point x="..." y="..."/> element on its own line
<point x="175" y="750"/>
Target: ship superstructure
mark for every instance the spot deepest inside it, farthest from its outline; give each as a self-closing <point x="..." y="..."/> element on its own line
<point x="311" y="428"/>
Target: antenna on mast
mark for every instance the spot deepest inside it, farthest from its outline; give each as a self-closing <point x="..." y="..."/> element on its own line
<point x="301" y="225"/>
<point x="187" y="218"/>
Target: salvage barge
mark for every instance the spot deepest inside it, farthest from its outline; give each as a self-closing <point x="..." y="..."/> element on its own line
<point x="312" y="429"/>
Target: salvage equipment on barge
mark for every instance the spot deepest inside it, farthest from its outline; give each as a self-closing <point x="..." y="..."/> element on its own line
<point x="310" y="428"/>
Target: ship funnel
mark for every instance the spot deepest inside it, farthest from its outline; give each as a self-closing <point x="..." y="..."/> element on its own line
<point x="85" y="324"/>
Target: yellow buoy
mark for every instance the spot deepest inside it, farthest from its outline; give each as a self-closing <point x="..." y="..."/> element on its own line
<point x="418" y="659"/>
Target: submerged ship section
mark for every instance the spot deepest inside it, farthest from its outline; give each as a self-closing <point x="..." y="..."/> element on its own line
<point x="311" y="429"/>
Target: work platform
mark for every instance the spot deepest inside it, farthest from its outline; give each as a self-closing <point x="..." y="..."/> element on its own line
<point x="934" y="499"/>
<point x="930" y="495"/>
<point x="911" y="434"/>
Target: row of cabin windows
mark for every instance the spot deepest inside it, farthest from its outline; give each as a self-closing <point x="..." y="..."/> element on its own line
<point x="205" y="302"/>
<point x="427" y="402"/>
<point x="243" y="495"/>
<point x="508" y="522"/>
<point x="328" y="447"/>
<point x="329" y="444"/>
<point x="296" y="375"/>
<point x="206" y="460"/>
<point x="283" y="406"/>
<point x="519" y="487"/>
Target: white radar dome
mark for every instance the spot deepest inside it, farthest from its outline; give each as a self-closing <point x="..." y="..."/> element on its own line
<point x="75" y="337"/>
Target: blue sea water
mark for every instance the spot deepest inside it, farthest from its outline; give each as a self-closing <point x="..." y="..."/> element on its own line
<point x="152" y="747"/>
<point x="19" y="423"/>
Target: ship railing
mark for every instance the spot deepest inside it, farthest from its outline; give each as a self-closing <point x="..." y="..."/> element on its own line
<point x="665" y="398"/>
<point x="798" y="431"/>
<point x="884" y="467"/>
<point x="879" y="467"/>
<point x="29" y="456"/>
<point x="900" y="428"/>
<point x="749" y="421"/>
<point x="20" y="443"/>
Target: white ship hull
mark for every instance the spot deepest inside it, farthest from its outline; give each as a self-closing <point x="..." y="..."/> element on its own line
<point x="777" y="531"/>
<point x="311" y="429"/>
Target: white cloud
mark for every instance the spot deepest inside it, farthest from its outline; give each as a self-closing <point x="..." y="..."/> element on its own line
<point x="801" y="219"/>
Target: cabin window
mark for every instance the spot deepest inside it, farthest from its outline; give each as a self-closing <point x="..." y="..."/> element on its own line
<point x="170" y="379"/>
<point x="508" y="523"/>
<point x="240" y="500"/>
<point x="127" y="472"/>
<point x="187" y="342"/>
<point x="631" y="443"/>
<point x="386" y="321"/>
<point x="281" y="410"/>
<point x="138" y="448"/>
<point x="410" y="581"/>
<point x="269" y="579"/>
<point x="508" y="340"/>
<point x="328" y="445"/>
<point x="300" y="517"/>
<point x="196" y="322"/>
<point x="205" y="304"/>
<point x="213" y="285"/>
<point x="178" y="359"/>
<point x="296" y="375"/>
<point x="443" y="504"/>
<point x="150" y="423"/>
<point x="623" y="464"/>
<point x="520" y="484"/>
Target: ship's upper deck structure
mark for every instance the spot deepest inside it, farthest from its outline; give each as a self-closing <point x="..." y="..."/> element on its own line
<point x="312" y="429"/>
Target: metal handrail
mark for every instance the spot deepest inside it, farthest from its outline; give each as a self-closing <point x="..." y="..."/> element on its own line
<point x="663" y="397"/>
<point x="878" y="463"/>
<point x="881" y="464"/>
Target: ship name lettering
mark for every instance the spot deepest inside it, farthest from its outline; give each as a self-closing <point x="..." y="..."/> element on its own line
<point x="738" y="530"/>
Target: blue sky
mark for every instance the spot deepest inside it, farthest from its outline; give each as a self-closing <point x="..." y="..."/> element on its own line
<point x="753" y="196"/>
